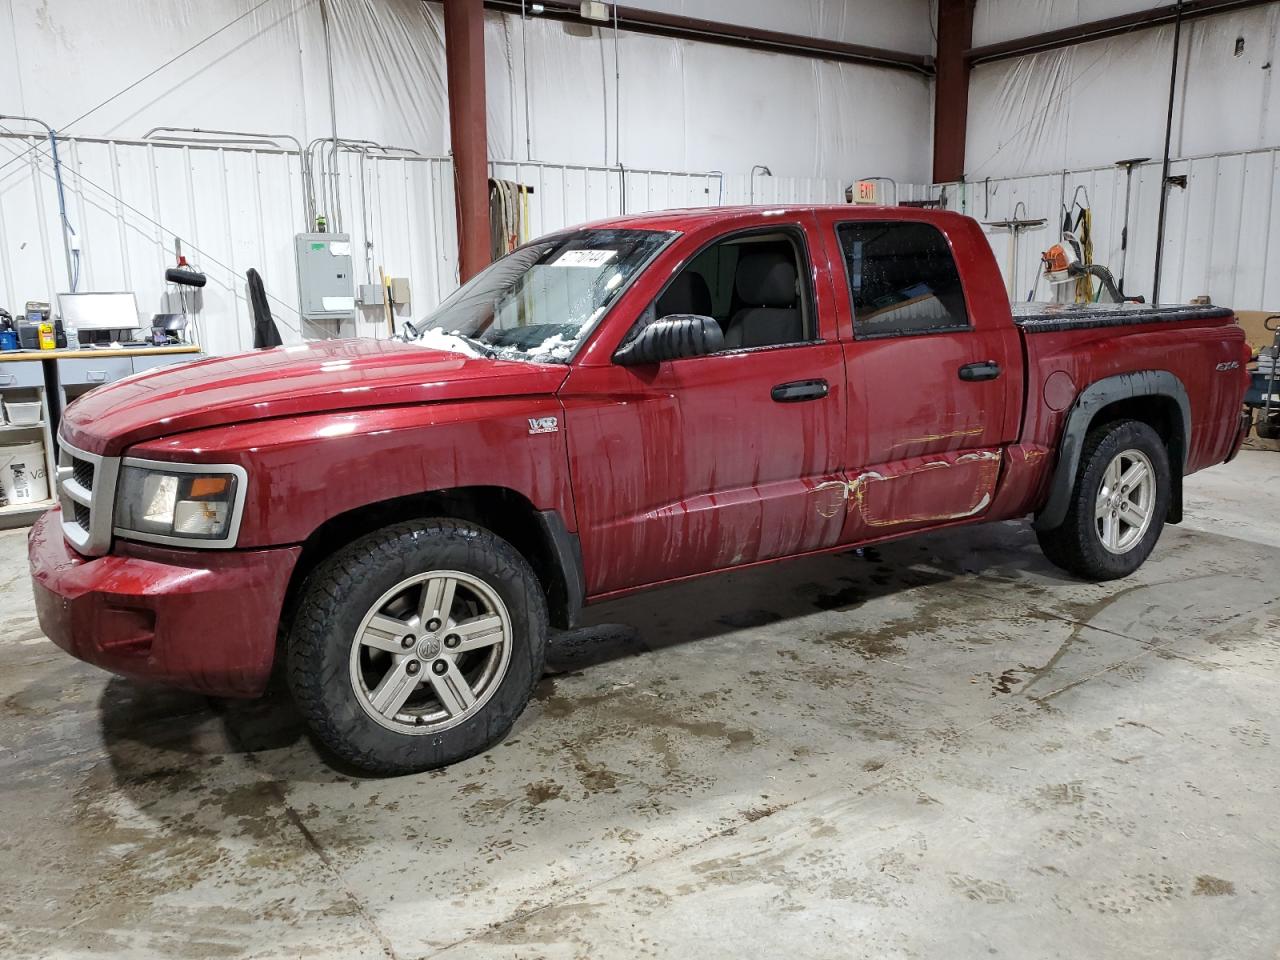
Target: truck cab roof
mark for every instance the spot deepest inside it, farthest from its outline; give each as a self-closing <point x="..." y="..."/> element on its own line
<point x="695" y="217"/>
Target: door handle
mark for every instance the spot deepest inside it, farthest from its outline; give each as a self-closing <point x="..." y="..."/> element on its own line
<point x="986" y="370"/>
<point x="799" y="390"/>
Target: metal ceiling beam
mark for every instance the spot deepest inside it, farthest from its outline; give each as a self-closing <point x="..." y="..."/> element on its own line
<point x="1101" y="29"/>
<point x="733" y="35"/>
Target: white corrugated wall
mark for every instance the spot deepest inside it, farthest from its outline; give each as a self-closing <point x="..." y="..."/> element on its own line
<point x="236" y="207"/>
<point x="1222" y="229"/>
<point x="232" y="208"/>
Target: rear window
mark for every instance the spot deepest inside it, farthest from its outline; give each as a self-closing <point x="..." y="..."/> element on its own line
<point x="902" y="279"/>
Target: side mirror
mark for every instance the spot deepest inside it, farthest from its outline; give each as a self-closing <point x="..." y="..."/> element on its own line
<point x="672" y="338"/>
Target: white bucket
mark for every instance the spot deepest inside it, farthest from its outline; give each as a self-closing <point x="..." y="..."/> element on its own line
<point x="23" y="478"/>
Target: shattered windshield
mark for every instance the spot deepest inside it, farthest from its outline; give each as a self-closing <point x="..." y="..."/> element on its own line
<point x="541" y="301"/>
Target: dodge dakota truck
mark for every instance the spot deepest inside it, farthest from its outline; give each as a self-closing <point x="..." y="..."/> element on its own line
<point x="396" y="524"/>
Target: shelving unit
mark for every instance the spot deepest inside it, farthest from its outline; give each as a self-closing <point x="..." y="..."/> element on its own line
<point x="71" y="373"/>
<point x="22" y="381"/>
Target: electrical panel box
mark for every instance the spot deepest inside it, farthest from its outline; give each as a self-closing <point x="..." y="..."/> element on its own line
<point x="326" y="285"/>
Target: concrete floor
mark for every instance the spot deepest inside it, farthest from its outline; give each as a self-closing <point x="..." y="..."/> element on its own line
<point x="946" y="749"/>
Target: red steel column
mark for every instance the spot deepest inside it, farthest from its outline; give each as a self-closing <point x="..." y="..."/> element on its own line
<point x="464" y="56"/>
<point x="951" y="89"/>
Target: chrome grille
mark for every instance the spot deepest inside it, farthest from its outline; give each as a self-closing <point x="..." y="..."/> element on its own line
<point x="87" y="489"/>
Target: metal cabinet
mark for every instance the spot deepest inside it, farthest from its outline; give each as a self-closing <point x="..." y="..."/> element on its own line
<point x="23" y="381"/>
<point x="95" y="372"/>
<point x="18" y="375"/>
<point x="21" y="386"/>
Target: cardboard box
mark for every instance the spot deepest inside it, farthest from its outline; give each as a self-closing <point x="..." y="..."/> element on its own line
<point x="1255" y="442"/>
<point x="1254" y="331"/>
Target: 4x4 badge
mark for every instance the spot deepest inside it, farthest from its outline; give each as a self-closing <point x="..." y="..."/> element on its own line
<point x="543" y="425"/>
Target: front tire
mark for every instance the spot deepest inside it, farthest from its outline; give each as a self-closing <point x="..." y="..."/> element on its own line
<point x="1118" y="506"/>
<point x="417" y="646"/>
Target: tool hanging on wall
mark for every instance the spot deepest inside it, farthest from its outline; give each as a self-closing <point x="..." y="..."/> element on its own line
<point x="1081" y="232"/>
<point x="183" y="280"/>
<point x="508" y="215"/>
<point x="1016" y="226"/>
<point x="388" y="309"/>
<point x="1128" y="166"/>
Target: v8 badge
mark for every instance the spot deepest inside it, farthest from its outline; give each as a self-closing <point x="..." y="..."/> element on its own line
<point x="543" y="425"/>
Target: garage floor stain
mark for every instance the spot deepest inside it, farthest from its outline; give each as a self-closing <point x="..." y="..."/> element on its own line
<point x="940" y="748"/>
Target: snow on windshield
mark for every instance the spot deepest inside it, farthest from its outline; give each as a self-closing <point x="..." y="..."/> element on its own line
<point x="556" y="349"/>
<point x="437" y="339"/>
<point x="539" y="303"/>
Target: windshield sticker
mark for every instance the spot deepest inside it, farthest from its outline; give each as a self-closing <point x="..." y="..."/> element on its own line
<point x="584" y="258"/>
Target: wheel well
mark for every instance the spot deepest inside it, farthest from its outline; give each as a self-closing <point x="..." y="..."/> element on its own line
<point x="1159" y="412"/>
<point x="1154" y="397"/>
<point x="498" y="509"/>
<point x="1162" y="414"/>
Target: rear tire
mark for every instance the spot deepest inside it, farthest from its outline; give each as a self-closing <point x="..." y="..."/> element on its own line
<point x="1118" y="505"/>
<point x="417" y="645"/>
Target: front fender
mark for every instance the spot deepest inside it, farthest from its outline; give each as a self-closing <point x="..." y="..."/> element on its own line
<point x="303" y="471"/>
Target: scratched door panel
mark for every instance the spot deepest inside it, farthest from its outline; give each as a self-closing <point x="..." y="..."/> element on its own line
<point x="693" y="466"/>
<point x="923" y="443"/>
<point x="922" y="491"/>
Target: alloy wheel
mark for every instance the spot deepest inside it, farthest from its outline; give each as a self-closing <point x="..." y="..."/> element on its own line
<point x="1126" y="501"/>
<point x="430" y="652"/>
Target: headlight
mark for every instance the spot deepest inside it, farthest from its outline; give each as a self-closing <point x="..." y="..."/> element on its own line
<point x="178" y="502"/>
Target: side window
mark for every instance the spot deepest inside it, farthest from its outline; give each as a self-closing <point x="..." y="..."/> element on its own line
<point x="902" y="278"/>
<point x="754" y="285"/>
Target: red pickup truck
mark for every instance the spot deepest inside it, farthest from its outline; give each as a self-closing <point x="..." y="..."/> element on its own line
<point x="395" y="524"/>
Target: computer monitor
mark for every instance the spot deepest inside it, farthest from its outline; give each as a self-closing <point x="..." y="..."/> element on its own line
<point x="99" y="311"/>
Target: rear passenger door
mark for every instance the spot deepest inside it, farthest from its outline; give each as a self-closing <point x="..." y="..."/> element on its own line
<point x="931" y="380"/>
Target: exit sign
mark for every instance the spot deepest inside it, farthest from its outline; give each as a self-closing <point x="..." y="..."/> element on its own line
<point x="866" y="191"/>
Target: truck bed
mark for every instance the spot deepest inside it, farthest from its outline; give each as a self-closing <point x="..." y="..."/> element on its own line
<point x="1049" y="317"/>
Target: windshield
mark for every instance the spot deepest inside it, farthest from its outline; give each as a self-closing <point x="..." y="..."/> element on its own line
<point x="540" y="302"/>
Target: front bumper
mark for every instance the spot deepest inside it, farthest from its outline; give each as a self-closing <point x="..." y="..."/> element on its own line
<point x="203" y="620"/>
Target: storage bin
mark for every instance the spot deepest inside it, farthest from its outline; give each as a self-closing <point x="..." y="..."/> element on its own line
<point x="22" y="412"/>
<point x="23" y="478"/>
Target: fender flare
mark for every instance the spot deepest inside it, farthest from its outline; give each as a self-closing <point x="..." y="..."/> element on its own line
<point x="1103" y="393"/>
<point x="567" y="594"/>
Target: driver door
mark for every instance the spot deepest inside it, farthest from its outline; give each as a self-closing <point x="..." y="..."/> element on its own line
<point x="712" y="462"/>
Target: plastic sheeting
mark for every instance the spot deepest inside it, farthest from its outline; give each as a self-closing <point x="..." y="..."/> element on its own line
<point x="901" y="25"/>
<point x="240" y="65"/>
<point x="696" y="106"/>
<point x="998" y="20"/>
<point x="1100" y="102"/>
<point x="254" y="66"/>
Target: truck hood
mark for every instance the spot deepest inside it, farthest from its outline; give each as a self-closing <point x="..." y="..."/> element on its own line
<point x="291" y="381"/>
